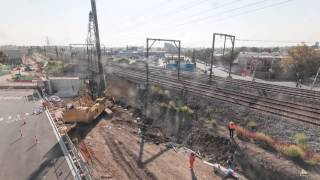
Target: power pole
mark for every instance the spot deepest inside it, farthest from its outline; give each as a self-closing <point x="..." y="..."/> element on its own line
<point x="232" y="38"/>
<point x="144" y="119"/>
<point x="143" y="126"/>
<point x="100" y="77"/>
<point x="57" y="53"/>
<point x="315" y="79"/>
<point x="193" y="56"/>
<point x="93" y="50"/>
<point x="178" y="46"/>
<point x="212" y="57"/>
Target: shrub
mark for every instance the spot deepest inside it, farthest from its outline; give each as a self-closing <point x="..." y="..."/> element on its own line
<point x="166" y="93"/>
<point x="292" y="151"/>
<point x="264" y="138"/>
<point x="123" y="60"/>
<point x="252" y="125"/>
<point x="241" y="132"/>
<point x="164" y="105"/>
<point x="301" y="140"/>
<point x="172" y="106"/>
<point x="186" y="109"/>
<point x="312" y="162"/>
<point x="214" y="123"/>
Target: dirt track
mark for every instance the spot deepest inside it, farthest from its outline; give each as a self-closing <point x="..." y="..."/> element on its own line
<point x="115" y="145"/>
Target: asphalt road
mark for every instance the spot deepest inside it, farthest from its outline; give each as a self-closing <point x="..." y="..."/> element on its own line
<point x="20" y="157"/>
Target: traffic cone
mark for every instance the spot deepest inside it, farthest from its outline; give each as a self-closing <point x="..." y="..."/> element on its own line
<point x="36" y="140"/>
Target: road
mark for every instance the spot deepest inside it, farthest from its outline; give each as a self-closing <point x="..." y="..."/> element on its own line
<point x="221" y="72"/>
<point x="20" y="157"/>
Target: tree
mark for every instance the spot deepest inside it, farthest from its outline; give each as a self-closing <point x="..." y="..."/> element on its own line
<point x="254" y="49"/>
<point x="303" y="60"/>
<point x="202" y="54"/>
<point x="243" y="49"/>
<point x="276" y="49"/>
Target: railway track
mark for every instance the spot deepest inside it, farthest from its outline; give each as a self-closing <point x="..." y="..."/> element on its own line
<point x="302" y="93"/>
<point x="300" y="112"/>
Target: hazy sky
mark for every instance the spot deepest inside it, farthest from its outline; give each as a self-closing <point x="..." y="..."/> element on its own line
<point x="130" y="22"/>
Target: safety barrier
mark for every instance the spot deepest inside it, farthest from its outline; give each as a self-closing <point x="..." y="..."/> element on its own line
<point x="78" y="168"/>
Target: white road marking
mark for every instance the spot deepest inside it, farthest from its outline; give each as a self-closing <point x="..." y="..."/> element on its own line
<point x="27" y="114"/>
<point x="1" y="118"/>
<point x="10" y="98"/>
<point x="9" y="117"/>
<point x="9" y="121"/>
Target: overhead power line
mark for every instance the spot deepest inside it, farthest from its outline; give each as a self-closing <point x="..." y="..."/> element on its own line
<point x="215" y="8"/>
<point x="218" y="7"/>
<point x="185" y="7"/>
<point x="275" y="41"/>
<point x="224" y="12"/>
<point x="237" y="15"/>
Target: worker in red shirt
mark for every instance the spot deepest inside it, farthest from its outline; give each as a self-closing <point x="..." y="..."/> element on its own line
<point x="232" y="128"/>
<point x="192" y="158"/>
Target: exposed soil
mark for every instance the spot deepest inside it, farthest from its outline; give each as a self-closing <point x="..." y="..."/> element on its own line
<point x="114" y="143"/>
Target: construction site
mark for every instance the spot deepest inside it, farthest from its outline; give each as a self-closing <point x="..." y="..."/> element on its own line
<point x="86" y="111"/>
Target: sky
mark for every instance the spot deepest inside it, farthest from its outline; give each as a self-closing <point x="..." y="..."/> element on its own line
<point x="130" y="22"/>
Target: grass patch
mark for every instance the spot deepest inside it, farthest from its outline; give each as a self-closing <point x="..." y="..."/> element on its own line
<point x="292" y="151"/>
<point x="56" y="67"/>
<point x="299" y="150"/>
<point x="264" y="138"/>
<point x="301" y="140"/>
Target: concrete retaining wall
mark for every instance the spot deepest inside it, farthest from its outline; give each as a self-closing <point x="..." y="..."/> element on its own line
<point x="64" y="86"/>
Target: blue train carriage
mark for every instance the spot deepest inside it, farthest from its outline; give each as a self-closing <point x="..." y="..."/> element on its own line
<point x="185" y="64"/>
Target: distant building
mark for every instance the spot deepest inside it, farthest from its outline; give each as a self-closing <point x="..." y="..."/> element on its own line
<point x="170" y="48"/>
<point x="264" y="63"/>
<point x="3" y="57"/>
<point x="11" y="57"/>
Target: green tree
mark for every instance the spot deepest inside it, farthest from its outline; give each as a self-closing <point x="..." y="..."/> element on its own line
<point x="303" y="60"/>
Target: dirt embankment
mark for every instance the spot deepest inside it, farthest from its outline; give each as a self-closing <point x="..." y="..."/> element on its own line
<point x="215" y="145"/>
<point x="114" y="143"/>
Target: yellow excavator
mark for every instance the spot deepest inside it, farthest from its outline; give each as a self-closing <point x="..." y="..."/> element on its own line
<point x="86" y="112"/>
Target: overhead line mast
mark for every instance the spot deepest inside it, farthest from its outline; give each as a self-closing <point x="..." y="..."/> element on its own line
<point x="100" y="79"/>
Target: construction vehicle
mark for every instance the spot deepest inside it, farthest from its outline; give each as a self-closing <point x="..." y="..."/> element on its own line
<point x="85" y="114"/>
<point x="88" y="110"/>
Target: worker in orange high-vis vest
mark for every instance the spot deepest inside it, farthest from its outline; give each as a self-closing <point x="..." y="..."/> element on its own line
<point x="232" y="128"/>
<point x="192" y="158"/>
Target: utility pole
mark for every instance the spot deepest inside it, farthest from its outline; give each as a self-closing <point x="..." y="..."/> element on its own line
<point x="57" y="53"/>
<point x="193" y="56"/>
<point x="232" y="54"/>
<point x="178" y="46"/>
<point x="232" y="38"/>
<point x="143" y="126"/>
<point x="254" y="71"/>
<point x="101" y="78"/>
<point x="179" y="58"/>
<point x="212" y="57"/>
<point x="315" y="79"/>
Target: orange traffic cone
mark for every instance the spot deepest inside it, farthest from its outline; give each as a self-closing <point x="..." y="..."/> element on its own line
<point x="36" y="140"/>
